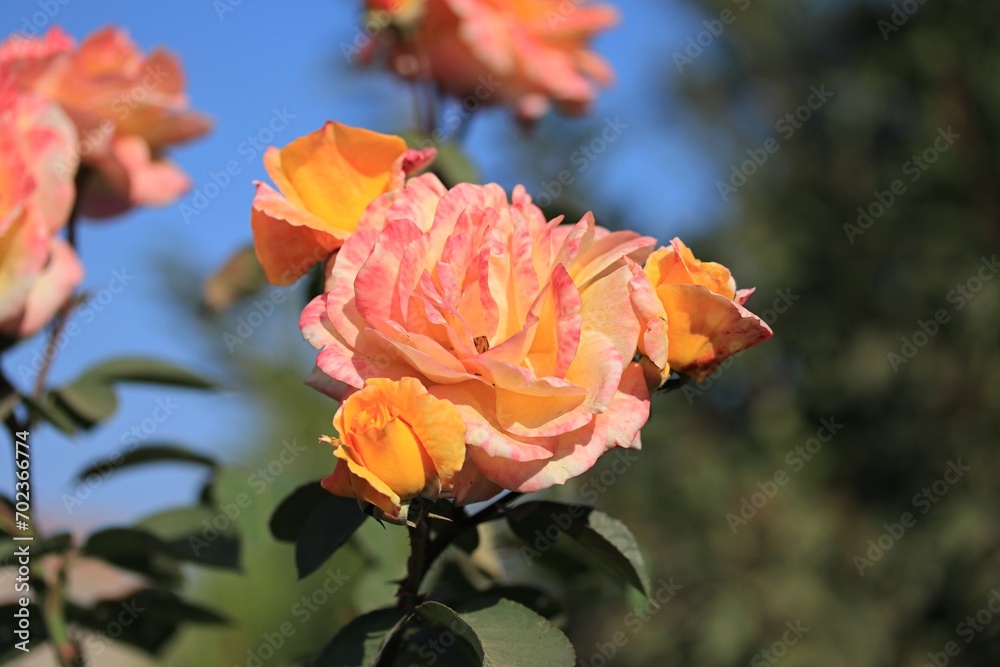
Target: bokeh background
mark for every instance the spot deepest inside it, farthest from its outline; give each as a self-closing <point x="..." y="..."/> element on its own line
<point x="760" y="534"/>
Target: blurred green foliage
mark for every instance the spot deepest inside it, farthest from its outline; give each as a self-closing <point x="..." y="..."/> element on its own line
<point x="848" y="300"/>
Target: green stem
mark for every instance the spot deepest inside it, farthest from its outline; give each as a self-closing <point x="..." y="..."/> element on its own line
<point x="410" y="588"/>
<point x="53" y="610"/>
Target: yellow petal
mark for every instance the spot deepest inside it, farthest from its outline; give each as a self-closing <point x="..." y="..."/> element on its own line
<point x="705" y="328"/>
<point x="338" y="170"/>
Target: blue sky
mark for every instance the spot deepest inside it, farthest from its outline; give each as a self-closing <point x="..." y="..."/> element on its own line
<point x="269" y="72"/>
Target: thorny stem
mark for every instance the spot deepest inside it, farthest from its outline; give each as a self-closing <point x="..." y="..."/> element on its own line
<point x="410" y="588"/>
<point x="423" y="552"/>
<point x="460" y="525"/>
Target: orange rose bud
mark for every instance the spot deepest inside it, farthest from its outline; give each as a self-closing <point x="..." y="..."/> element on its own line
<point x="706" y="320"/>
<point x="326" y="180"/>
<point x="396" y="442"/>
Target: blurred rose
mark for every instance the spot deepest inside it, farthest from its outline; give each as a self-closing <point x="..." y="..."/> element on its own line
<point x="529" y="328"/>
<point x="395" y="442"/>
<point x="525" y="53"/>
<point x="127" y="108"/>
<point x="325" y="179"/>
<point x="38" y="271"/>
<point x="706" y="320"/>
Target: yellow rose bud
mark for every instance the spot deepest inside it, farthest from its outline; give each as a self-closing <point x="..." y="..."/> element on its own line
<point x="706" y="320"/>
<point x="395" y="442"/>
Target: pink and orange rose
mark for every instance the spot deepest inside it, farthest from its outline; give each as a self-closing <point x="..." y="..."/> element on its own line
<point x="38" y="270"/>
<point x="127" y="107"/>
<point x="528" y="327"/>
<point x="530" y="53"/>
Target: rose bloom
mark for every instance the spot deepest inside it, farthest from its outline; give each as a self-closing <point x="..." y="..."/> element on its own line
<point x="38" y="270"/>
<point x="706" y="320"/>
<point x="529" y="54"/>
<point x="127" y="108"/>
<point x="396" y="442"/>
<point x="326" y="180"/>
<point x="528" y="327"/>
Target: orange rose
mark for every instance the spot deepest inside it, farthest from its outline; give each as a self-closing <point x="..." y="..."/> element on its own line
<point x="127" y="108"/>
<point x="326" y="180"/>
<point x="526" y="53"/>
<point x="706" y="320"/>
<point x="396" y="442"/>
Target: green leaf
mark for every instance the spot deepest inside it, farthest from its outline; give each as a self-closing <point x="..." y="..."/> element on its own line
<point x="8" y="403"/>
<point x="452" y="166"/>
<point x="601" y="535"/>
<point x="289" y="517"/>
<point x="149" y="454"/>
<point x="53" y="544"/>
<point x="190" y="534"/>
<point x="136" y="550"/>
<point x="7" y="517"/>
<point x="504" y="633"/>
<point x="146" y="371"/>
<point x="360" y="642"/>
<point x="241" y="276"/>
<point x="147" y="620"/>
<point x="534" y="599"/>
<point x="58" y="543"/>
<point x="90" y="400"/>
<point x="326" y="529"/>
<point x="55" y="412"/>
